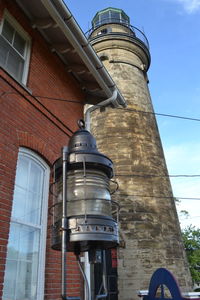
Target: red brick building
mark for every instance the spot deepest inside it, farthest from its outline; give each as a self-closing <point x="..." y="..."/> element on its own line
<point x="48" y="71"/>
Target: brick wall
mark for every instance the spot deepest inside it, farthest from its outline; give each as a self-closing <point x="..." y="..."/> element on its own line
<point x="42" y="125"/>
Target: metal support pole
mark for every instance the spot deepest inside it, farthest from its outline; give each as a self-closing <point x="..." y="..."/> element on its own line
<point x="92" y="281"/>
<point x="104" y="279"/>
<point x="64" y="223"/>
<point x="64" y="229"/>
<point x="103" y="290"/>
<point x="87" y="271"/>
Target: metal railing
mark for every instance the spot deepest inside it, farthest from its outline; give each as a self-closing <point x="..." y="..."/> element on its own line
<point x="133" y="31"/>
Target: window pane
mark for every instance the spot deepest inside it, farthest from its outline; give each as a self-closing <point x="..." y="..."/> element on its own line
<point x="104" y="17"/>
<point x="13" y="243"/>
<point x="8" y="31"/>
<point x="27" y="206"/>
<point x="10" y="280"/>
<point x="19" y="43"/>
<point x="19" y="204"/>
<point x="33" y="208"/>
<point x="22" y="172"/>
<point x="3" y="51"/>
<point x="26" y="284"/>
<point x="124" y="19"/>
<point x="22" y="262"/>
<point x="28" y="192"/>
<point x="36" y="178"/>
<point x="15" y="64"/>
<point x="23" y="242"/>
<point x="115" y="16"/>
<point x="96" y="21"/>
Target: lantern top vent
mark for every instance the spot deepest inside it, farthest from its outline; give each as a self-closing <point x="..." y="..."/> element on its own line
<point x="83" y="150"/>
<point x="110" y="15"/>
<point x="82" y="141"/>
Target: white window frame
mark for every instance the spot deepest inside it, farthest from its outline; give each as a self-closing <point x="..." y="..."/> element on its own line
<point x="11" y="20"/>
<point x="44" y="216"/>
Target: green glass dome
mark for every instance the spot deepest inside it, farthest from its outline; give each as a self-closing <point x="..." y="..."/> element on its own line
<point x="110" y="15"/>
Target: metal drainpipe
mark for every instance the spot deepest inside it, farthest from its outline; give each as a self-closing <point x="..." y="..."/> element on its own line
<point x="87" y="127"/>
<point x="64" y="229"/>
<point x="104" y="103"/>
<point x="64" y="223"/>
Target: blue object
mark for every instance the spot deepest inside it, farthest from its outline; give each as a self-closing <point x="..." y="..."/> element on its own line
<point x="163" y="278"/>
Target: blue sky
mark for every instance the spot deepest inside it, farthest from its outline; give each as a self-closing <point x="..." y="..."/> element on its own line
<point x="172" y="28"/>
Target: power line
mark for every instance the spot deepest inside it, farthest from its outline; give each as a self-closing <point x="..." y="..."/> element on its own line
<point x="45" y="97"/>
<point x="160" y="114"/>
<point x="157" y="196"/>
<point x="60" y="99"/>
<point x="126" y="109"/>
<point x="43" y="106"/>
<point x="159" y="176"/>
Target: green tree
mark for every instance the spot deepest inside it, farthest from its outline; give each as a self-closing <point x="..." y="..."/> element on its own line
<point x="191" y="239"/>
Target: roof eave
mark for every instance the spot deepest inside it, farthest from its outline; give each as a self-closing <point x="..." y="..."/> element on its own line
<point x="97" y="83"/>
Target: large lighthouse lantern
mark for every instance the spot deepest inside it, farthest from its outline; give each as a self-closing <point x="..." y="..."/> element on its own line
<point x="90" y="223"/>
<point x="83" y="216"/>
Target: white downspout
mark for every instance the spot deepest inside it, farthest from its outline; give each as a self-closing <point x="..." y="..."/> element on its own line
<point x="104" y="103"/>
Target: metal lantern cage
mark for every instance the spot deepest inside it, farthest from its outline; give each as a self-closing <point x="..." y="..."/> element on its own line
<point x="84" y="216"/>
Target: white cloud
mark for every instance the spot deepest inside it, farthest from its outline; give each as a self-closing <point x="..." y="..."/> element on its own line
<point x="190" y="6"/>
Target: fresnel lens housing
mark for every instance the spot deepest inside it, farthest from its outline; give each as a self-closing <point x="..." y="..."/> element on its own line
<point x="82" y="210"/>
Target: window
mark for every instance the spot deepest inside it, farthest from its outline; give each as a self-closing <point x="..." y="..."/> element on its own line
<point x="104" y="17"/>
<point x="14" y="48"/>
<point x="125" y="19"/>
<point x="24" y="272"/>
<point x="115" y="16"/>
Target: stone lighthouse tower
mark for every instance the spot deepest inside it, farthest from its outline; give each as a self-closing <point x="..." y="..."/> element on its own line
<point x="150" y="232"/>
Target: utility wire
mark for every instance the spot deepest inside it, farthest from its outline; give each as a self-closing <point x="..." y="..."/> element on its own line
<point x="60" y="99"/>
<point x="155" y="175"/>
<point x="126" y="109"/>
<point x="45" y="97"/>
<point x="133" y="175"/>
<point x="160" y="114"/>
<point x="157" y="196"/>
<point x="50" y="112"/>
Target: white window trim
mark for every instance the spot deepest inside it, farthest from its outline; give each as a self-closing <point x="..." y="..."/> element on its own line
<point x="7" y="16"/>
<point x="44" y="215"/>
